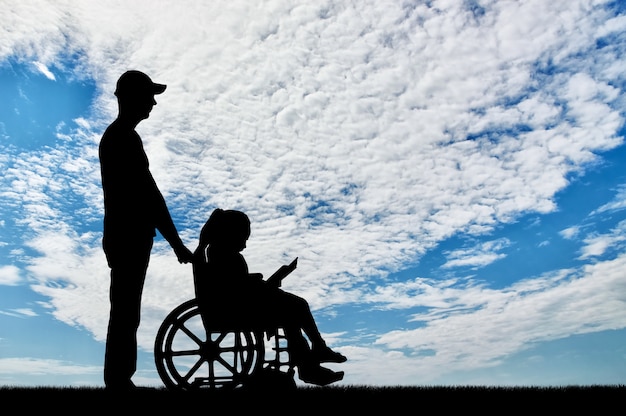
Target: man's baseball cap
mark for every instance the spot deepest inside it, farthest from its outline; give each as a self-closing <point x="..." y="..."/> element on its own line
<point x="135" y="82"/>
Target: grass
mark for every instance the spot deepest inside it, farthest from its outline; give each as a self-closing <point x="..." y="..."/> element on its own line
<point x="311" y="400"/>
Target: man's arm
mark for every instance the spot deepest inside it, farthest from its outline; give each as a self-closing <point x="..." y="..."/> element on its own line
<point x="166" y="227"/>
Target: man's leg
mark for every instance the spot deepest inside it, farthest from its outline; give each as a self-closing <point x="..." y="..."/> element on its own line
<point x="128" y="274"/>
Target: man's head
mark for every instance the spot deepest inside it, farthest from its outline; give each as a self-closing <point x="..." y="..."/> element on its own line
<point x="135" y="93"/>
<point x="134" y="83"/>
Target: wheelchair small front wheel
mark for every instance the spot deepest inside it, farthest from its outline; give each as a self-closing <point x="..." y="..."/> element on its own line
<point x="189" y="356"/>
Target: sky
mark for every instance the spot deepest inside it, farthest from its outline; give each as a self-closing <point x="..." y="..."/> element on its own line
<point x="448" y="173"/>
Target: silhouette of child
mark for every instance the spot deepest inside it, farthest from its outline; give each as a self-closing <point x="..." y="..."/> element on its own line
<point x="225" y="287"/>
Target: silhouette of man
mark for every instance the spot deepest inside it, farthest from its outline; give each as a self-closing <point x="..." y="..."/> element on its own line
<point x="134" y="209"/>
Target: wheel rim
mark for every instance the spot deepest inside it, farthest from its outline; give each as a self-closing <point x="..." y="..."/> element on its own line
<point x="189" y="357"/>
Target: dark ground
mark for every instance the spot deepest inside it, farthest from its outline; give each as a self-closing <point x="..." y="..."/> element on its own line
<point x="320" y="400"/>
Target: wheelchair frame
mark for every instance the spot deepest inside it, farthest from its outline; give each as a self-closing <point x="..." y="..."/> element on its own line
<point x="190" y="355"/>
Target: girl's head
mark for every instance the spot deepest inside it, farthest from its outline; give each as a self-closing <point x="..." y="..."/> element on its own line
<point x="227" y="229"/>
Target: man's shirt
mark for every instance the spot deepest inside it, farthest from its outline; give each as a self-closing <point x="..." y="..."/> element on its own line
<point x="133" y="204"/>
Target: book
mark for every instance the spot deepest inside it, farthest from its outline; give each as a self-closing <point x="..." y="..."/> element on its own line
<point x="277" y="278"/>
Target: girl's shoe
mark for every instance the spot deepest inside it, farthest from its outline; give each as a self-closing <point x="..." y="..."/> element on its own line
<point x="315" y="374"/>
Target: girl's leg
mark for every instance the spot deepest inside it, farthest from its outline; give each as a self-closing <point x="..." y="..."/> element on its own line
<point x="299" y="316"/>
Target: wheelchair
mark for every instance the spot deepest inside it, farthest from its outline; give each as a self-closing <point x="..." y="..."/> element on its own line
<point x="192" y="354"/>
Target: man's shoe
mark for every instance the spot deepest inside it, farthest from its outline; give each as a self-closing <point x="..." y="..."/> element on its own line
<point x="326" y="355"/>
<point x="318" y="375"/>
<point x="121" y="387"/>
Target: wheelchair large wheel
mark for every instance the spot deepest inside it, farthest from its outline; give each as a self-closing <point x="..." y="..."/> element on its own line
<point x="188" y="356"/>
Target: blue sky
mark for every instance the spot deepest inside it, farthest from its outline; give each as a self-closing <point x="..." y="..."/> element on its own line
<point x="449" y="173"/>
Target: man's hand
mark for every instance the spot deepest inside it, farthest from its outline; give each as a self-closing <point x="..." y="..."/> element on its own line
<point x="184" y="254"/>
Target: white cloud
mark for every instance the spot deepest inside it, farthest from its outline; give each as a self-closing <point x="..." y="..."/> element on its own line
<point x="479" y="326"/>
<point x="356" y="136"/>
<point x="36" y="366"/>
<point x="617" y="204"/>
<point x="44" y="70"/>
<point x="479" y="256"/>
<point x="10" y="275"/>
<point x="20" y="313"/>
<point x="74" y="279"/>
<point x="597" y="245"/>
<point x="570" y="232"/>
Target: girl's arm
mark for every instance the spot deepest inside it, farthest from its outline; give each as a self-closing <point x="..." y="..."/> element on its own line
<point x="257" y="276"/>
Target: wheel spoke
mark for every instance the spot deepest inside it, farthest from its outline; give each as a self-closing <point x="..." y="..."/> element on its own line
<point x="186" y="361"/>
<point x="193" y="369"/>
<point x="184" y="353"/>
<point x="190" y="333"/>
